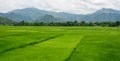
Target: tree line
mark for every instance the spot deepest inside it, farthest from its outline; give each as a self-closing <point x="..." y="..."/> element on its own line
<point x="69" y="23"/>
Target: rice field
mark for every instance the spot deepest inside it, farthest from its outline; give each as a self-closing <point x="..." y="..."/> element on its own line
<point x="45" y="43"/>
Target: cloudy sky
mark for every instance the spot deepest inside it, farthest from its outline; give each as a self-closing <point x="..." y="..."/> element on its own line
<point x="70" y="6"/>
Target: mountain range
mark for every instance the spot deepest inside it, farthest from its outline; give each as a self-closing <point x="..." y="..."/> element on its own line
<point x="37" y="15"/>
<point x="5" y="21"/>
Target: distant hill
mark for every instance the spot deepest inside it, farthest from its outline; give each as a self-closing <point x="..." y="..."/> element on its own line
<point x="103" y="15"/>
<point x="49" y="18"/>
<point x="34" y="14"/>
<point x="5" y="21"/>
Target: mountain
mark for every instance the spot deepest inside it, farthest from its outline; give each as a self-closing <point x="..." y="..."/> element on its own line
<point x="31" y="13"/>
<point x="68" y="16"/>
<point x="15" y="17"/>
<point x="103" y="15"/>
<point x="49" y="18"/>
<point x="107" y="11"/>
<point x="5" y="21"/>
<point x="34" y="14"/>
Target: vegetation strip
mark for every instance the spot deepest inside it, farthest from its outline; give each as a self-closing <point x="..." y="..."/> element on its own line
<point x="33" y="43"/>
<point x="12" y="35"/>
<point x="74" y="50"/>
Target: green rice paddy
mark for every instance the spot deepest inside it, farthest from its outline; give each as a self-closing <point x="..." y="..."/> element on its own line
<point x="45" y="43"/>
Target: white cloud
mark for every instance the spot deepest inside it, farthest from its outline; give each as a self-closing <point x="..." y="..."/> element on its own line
<point x="72" y="6"/>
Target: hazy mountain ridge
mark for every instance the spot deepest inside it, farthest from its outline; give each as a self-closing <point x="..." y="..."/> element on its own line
<point x="103" y="15"/>
<point x="34" y="14"/>
<point x="49" y="18"/>
<point x="5" y="21"/>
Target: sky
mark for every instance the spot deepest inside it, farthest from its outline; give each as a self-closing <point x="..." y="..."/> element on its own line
<point x="70" y="6"/>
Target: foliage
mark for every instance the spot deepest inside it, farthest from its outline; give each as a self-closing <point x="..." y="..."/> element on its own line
<point x="69" y="23"/>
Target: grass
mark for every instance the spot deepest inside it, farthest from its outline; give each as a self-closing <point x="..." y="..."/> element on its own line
<point x="102" y="45"/>
<point x="18" y="36"/>
<point x="59" y="43"/>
